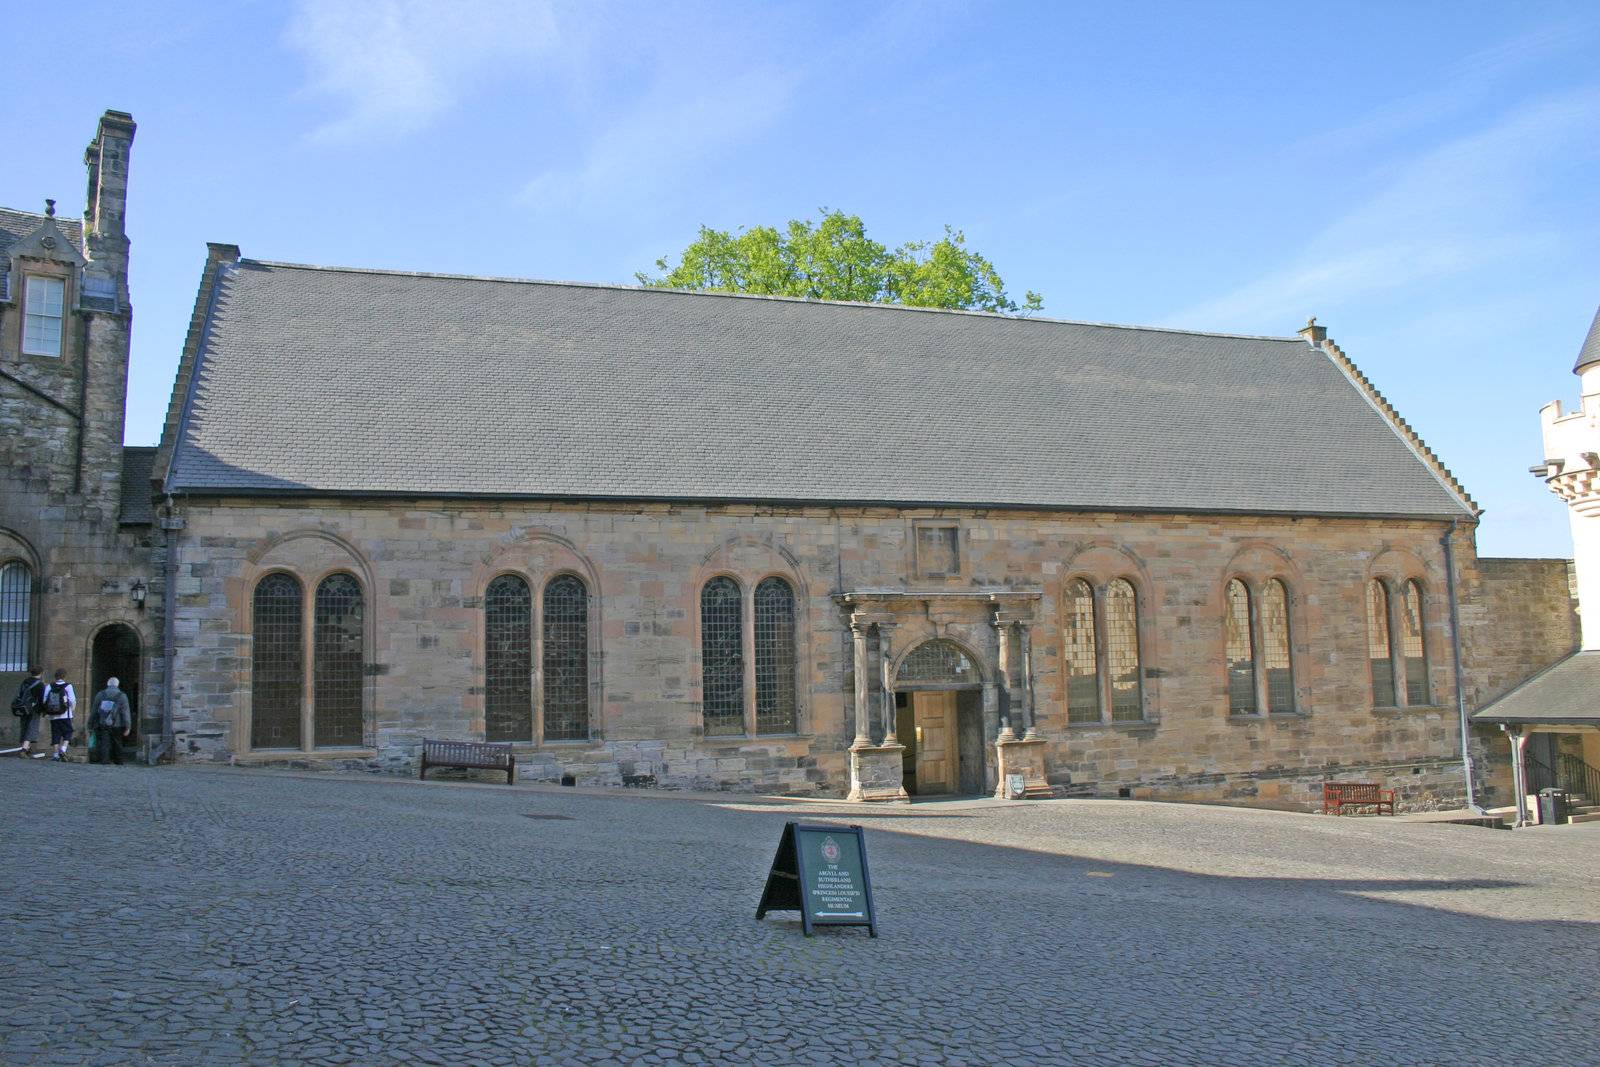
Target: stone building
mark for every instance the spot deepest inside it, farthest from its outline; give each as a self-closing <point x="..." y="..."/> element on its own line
<point x="698" y="540"/>
<point x="76" y="547"/>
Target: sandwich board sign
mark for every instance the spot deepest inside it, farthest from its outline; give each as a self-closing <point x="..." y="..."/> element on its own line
<point x="821" y="872"/>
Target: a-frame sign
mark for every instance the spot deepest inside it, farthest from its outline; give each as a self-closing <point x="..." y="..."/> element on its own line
<point x="821" y="872"/>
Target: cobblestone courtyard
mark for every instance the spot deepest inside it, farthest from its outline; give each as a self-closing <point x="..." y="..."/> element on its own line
<point x="217" y="916"/>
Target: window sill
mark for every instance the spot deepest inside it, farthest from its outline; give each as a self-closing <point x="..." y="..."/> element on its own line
<point x="1271" y="716"/>
<point x="259" y="754"/>
<point x="1388" y="709"/>
<point x="1131" y="726"/>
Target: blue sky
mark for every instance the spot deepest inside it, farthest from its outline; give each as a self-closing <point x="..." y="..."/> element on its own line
<point x="1423" y="177"/>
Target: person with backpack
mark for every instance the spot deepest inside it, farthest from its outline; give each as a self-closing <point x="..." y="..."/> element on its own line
<point x="112" y="720"/>
<point x="59" y="700"/>
<point x="27" y="707"/>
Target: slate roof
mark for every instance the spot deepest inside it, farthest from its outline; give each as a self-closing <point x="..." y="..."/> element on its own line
<point x="1567" y="693"/>
<point x="1590" y="352"/>
<point x="15" y="225"/>
<point x="137" y="506"/>
<point x="328" y="380"/>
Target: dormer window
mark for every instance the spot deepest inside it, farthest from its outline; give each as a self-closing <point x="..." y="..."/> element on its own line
<point x="42" y="312"/>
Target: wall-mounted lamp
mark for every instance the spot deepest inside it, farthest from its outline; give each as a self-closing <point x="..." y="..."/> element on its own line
<point x="137" y="592"/>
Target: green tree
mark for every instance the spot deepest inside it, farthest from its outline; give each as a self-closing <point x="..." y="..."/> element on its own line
<point x="835" y="260"/>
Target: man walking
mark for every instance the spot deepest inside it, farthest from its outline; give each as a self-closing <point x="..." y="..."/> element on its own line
<point x="113" y="721"/>
<point x="28" y="707"/>
<point x="59" y="700"/>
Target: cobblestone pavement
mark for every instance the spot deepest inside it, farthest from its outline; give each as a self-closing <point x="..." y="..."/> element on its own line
<point x="215" y="916"/>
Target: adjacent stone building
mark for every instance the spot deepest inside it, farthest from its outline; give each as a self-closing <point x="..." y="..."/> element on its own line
<point x="676" y="539"/>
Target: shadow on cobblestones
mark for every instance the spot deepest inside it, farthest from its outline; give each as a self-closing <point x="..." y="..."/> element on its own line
<point x="199" y="916"/>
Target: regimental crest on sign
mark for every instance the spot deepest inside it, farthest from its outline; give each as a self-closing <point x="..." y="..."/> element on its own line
<point x="820" y="870"/>
<point x="830" y="850"/>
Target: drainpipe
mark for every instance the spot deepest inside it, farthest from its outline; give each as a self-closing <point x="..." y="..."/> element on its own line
<point x="1448" y="541"/>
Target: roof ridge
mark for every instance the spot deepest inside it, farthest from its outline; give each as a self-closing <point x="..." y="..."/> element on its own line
<point x="618" y="286"/>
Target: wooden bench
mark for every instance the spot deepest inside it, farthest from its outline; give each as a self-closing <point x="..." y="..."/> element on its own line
<point x="1336" y="796"/>
<point x="473" y="755"/>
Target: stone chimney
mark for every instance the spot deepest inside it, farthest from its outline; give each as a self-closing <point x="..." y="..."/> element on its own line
<point x="1571" y="469"/>
<point x="1313" y="333"/>
<point x="106" y="214"/>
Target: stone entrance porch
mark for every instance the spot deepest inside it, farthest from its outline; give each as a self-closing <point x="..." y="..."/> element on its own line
<point x="942" y="641"/>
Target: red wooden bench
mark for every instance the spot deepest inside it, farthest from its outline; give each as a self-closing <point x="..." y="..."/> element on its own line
<point x="1336" y="796"/>
<point x="474" y="755"/>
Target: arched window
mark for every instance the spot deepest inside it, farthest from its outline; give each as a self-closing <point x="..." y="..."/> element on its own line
<point x="1083" y="674"/>
<point x="338" y="658"/>
<point x="1122" y="652"/>
<point x="277" y="663"/>
<point x="1275" y="647"/>
<point x="1241" y="651"/>
<point x="16" y="615"/>
<point x="507" y="660"/>
<point x="775" y="657"/>
<point x="1413" y="647"/>
<point x="566" y="659"/>
<point x="1380" y="648"/>
<point x="722" y="657"/>
<point x="937" y="663"/>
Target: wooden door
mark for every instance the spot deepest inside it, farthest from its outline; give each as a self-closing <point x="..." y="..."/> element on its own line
<point x="936" y="742"/>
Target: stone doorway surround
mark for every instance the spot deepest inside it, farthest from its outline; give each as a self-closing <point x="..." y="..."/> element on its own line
<point x="986" y="627"/>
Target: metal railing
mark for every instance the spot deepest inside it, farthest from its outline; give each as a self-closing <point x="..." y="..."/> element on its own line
<point x="1578" y="778"/>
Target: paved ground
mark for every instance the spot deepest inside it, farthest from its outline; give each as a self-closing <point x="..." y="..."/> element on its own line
<point x="215" y="916"/>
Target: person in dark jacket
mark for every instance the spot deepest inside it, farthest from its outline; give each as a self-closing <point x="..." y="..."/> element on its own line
<point x="32" y="698"/>
<point x="112" y="722"/>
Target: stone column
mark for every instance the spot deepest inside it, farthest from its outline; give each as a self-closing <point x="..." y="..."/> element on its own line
<point x="1519" y="770"/>
<point x="1029" y="719"/>
<point x="1002" y="661"/>
<point x="884" y="681"/>
<point x="858" y="635"/>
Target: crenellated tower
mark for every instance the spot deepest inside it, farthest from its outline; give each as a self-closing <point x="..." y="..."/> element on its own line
<point x="1572" y="470"/>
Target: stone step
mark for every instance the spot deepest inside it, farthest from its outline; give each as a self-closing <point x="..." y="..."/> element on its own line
<point x="1587" y="816"/>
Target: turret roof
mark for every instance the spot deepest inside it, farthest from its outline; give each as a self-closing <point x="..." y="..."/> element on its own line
<point x="1590" y="352"/>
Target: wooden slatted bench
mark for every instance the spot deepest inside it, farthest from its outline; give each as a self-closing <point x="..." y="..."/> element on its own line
<point x="1336" y="796"/>
<point x="472" y="755"/>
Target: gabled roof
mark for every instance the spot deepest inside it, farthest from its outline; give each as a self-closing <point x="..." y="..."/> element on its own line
<point x="17" y="226"/>
<point x="1567" y="693"/>
<point x="1590" y="352"/>
<point x="325" y="380"/>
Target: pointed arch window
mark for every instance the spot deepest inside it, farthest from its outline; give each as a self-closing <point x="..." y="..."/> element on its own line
<point x="1241" y="650"/>
<point x="775" y="657"/>
<point x="338" y="658"/>
<point x="277" y="662"/>
<point x="1380" y="646"/>
<point x="508" y="660"/>
<point x="1413" y="644"/>
<point x="1083" y="675"/>
<point x="1275" y="646"/>
<point x="16" y="616"/>
<point x="1122" y="652"/>
<point x="722" y="657"/>
<point x="566" y="659"/>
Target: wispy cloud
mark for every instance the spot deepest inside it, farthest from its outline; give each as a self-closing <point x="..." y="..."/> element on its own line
<point x="1456" y="207"/>
<point x="392" y="67"/>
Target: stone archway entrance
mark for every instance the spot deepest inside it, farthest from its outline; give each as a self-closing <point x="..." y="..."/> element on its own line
<point x="116" y="653"/>
<point x="938" y="693"/>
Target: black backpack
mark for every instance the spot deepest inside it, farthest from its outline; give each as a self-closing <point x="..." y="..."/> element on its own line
<point x="55" y="699"/>
<point x="22" y="705"/>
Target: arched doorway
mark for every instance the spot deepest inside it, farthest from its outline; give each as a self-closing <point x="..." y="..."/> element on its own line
<point x="939" y="719"/>
<point x="115" y="653"/>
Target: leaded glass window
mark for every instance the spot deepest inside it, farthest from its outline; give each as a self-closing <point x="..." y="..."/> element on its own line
<point x="338" y="659"/>
<point x="1275" y="647"/>
<point x="1380" y="649"/>
<point x="1083" y="676"/>
<point x="566" y="659"/>
<point x="775" y="657"/>
<point x="1240" y="651"/>
<point x="16" y="611"/>
<point x="1122" y="652"/>
<point x="937" y="662"/>
<point x="508" y="660"/>
<point x="722" y="657"/>
<point x="277" y="663"/>
<point x="1413" y="648"/>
